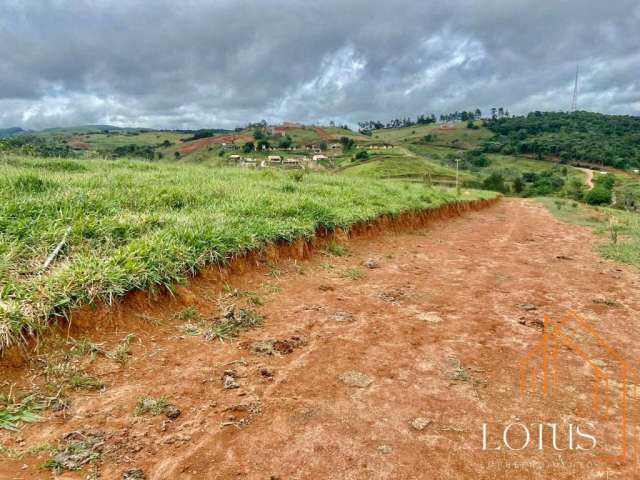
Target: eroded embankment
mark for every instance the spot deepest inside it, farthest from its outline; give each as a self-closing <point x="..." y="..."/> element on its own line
<point x="137" y="304"/>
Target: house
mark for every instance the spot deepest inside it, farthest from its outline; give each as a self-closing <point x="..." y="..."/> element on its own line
<point x="235" y="158"/>
<point x="335" y="146"/>
<point x="292" y="163"/>
<point x="317" y="158"/>
<point x="274" y="159"/>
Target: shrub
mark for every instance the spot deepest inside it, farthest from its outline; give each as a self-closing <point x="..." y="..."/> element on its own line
<point x="598" y="195"/>
<point x="362" y="155"/>
<point x="495" y="182"/>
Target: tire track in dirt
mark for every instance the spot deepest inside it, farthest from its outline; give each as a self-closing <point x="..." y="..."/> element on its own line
<point x="437" y="328"/>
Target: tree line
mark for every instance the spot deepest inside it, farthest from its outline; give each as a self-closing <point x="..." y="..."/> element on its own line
<point x="612" y="140"/>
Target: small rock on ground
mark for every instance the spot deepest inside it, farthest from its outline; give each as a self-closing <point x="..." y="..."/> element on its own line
<point x="134" y="474"/>
<point x="371" y="263"/>
<point x="229" y="380"/>
<point x="356" y="379"/>
<point x="172" y="412"/>
<point x="386" y="449"/>
<point x="431" y="317"/>
<point x="342" y="317"/>
<point x="420" y="423"/>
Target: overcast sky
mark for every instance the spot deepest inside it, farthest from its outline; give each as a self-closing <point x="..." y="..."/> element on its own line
<point x="192" y="63"/>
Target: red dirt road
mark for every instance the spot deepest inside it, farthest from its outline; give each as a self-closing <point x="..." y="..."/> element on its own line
<point x="396" y="370"/>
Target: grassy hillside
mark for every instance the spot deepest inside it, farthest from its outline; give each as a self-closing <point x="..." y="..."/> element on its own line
<point x="447" y="135"/>
<point x="483" y="164"/>
<point x="136" y="224"/>
<point x="396" y="166"/>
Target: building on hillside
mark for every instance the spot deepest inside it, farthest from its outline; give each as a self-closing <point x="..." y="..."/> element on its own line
<point x="335" y="146"/>
<point x="292" y="163"/>
<point x="317" y="158"/>
<point x="235" y="158"/>
<point x="274" y="159"/>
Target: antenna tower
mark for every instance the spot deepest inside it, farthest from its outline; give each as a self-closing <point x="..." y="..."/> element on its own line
<point x="574" y="98"/>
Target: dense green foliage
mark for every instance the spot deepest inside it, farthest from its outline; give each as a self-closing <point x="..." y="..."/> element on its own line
<point x="35" y="146"/>
<point x="579" y="136"/>
<point x="139" y="224"/>
<point x="134" y="150"/>
<point x="602" y="190"/>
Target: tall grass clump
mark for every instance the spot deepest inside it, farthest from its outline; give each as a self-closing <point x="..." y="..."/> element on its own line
<point x="134" y="224"/>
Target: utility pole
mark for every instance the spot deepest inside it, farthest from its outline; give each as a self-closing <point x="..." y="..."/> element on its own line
<point x="574" y="98"/>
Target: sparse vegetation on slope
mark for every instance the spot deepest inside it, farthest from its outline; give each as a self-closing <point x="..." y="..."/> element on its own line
<point x="620" y="230"/>
<point x="140" y="225"/>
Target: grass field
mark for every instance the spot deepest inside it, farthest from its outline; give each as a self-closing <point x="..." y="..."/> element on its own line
<point x="102" y="141"/>
<point x="452" y="135"/>
<point x="136" y="224"/>
<point x="388" y="166"/>
<point x="619" y="229"/>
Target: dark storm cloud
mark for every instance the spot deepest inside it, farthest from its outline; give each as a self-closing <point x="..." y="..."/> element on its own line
<point x="205" y="63"/>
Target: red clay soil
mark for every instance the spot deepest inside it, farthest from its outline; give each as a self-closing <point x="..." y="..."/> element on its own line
<point x="384" y="363"/>
<point x="323" y="134"/>
<point x="78" y="144"/>
<point x="196" y="145"/>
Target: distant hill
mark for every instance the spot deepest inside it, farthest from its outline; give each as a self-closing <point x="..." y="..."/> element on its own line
<point x="93" y="129"/>
<point x="612" y="140"/>
<point x="8" y="132"/>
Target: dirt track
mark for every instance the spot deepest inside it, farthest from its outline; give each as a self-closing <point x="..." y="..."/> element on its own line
<point x="589" y="176"/>
<point x="434" y="332"/>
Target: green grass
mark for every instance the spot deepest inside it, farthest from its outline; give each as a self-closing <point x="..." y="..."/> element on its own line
<point x="620" y="230"/>
<point x="389" y="166"/>
<point x="151" y="406"/>
<point x="102" y="141"/>
<point x="457" y="135"/>
<point x="142" y="225"/>
<point x="13" y="414"/>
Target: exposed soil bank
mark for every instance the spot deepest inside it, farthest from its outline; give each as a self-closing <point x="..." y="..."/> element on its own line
<point x="386" y="362"/>
<point x="109" y="317"/>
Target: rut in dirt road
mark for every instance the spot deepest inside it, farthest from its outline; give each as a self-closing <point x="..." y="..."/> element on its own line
<point x="390" y="360"/>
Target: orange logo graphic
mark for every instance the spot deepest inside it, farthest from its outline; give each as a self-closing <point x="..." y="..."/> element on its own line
<point x="613" y="393"/>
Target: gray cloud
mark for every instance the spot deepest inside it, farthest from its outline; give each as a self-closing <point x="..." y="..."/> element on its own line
<point x="201" y="63"/>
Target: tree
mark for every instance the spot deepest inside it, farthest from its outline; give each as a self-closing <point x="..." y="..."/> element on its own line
<point x="248" y="147"/>
<point x="323" y="146"/>
<point x="285" y="142"/>
<point x="347" y="143"/>
<point x="495" y="182"/>
<point x="518" y="185"/>
<point x="176" y="154"/>
<point x="575" y="189"/>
